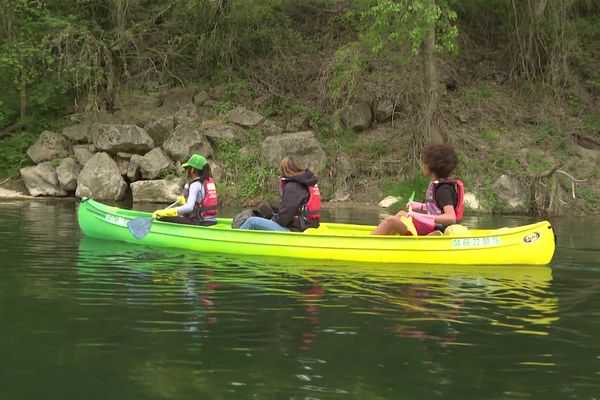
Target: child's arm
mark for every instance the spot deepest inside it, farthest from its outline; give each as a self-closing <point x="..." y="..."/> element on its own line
<point x="448" y="217"/>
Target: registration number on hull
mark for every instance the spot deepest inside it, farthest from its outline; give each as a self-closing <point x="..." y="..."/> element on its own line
<point x="114" y="219"/>
<point x="468" y="243"/>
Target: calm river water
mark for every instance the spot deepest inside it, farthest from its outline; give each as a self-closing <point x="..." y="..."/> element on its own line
<point x="90" y="319"/>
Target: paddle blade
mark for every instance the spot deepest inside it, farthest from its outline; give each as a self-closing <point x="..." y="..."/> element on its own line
<point x="410" y="226"/>
<point x="140" y="227"/>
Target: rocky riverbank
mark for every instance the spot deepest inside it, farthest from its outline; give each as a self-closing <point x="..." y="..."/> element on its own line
<point x="136" y="153"/>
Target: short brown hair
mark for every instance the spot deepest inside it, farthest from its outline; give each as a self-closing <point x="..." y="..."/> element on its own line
<point x="289" y="167"/>
<point x="441" y="159"/>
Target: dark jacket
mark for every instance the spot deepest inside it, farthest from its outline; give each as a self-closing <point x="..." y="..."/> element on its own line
<point x="295" y="194"/>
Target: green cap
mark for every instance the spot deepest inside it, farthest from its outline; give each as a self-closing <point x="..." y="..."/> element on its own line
<point x="196" y="161"/>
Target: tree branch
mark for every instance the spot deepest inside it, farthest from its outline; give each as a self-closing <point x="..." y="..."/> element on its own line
<point x="10" y="129"/>
<point x="548" y="173"/>
<point x="573" y="180"/>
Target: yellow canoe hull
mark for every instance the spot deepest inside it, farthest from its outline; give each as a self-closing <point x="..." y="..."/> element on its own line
<point x="529" y="244"/>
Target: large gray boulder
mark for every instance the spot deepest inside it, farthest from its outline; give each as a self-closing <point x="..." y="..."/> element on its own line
<point x="160" y="128"/>
<point x="225" y="132"/>
<point x="302" y="145"/>
<point x="101" y="179"/>
<point x="244" y="117"/>
<point x="217" y="92"/>
<point x="79" y="133"/>
<point x="67" y="173"/>
<point x="185" y="141"/>
<point x="177" y="97"/>
<point x="358" y="116"/>
<point x="114" y="138"/>
<point x="269" y="127"/>
<point x="201" y="97"/>
<point x="41" y="180"/>
<point x="298" y="123"/>
<point x="187" y="114"/>
<point x="384" y="110"/>
<point x="155" y="164"/>
<point x="158" y="191"/>
<point x="50" y="145"/>
<point x="510" y="191"/>
<point x="82" y="153"/>
<point x="133" y="169"/>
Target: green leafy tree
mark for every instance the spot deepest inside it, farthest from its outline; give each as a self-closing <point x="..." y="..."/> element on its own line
<point x="429" y="28"/>
<point x="94" y="44"/>
<point x="23" y="54"/>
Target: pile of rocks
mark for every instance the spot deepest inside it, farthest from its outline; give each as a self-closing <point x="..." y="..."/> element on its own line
<point x="141" y="148"/>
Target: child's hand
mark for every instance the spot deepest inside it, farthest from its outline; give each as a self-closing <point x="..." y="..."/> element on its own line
<point x="401" y="213"/>
<point x="416" y="206"/>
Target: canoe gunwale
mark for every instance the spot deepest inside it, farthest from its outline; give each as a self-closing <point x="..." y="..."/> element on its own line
<point x="120" y="212"/>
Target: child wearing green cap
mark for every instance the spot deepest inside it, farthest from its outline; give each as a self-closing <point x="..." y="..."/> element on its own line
<point x="199" y="203"/>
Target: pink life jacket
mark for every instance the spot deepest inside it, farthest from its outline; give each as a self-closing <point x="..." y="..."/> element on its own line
<point x="210" y="202"/>
<point x="432" y="208"/>
<point x="311" y="210"/>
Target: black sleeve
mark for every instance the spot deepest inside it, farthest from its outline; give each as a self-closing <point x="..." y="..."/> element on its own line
<point x="445" y="195"/>
<point x="293" y="196"/>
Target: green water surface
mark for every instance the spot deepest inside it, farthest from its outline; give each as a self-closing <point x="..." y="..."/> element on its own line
<point x="91" y="319"/>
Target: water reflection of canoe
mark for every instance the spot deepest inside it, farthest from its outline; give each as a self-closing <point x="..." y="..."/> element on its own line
<point x="523" y="291"/>
<point x="528" y="244"/>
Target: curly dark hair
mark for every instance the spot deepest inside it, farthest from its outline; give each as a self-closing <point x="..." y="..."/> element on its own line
<point x="441" y="159"/>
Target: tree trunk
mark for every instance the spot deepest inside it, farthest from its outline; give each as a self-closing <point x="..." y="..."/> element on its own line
<point x="111" y="81"/>
<point x="541" y="46"/>
<point x="539" y="9"/>
<point x="23" y="97"/>
<point x="430" y="80"/>
<point x="113" y="51"/>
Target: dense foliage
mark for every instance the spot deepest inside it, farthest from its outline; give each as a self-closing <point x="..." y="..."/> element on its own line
<point x="53" y="48"/>
<point x="317" y="56"/>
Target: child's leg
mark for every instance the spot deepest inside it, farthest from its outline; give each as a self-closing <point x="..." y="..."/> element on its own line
<point x="391" y="226"/>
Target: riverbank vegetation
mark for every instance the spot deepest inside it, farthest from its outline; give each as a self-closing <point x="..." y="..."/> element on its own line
<point x="513" y="84"/>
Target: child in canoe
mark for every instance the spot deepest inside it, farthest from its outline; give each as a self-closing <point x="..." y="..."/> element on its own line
<point x="198" y="205"/>
<point x="443" y="200"/>
<point x="300" y="204"/>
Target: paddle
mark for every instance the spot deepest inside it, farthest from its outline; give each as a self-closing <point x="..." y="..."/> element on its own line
<point x="140" y="227"/>
<point x="407" y="221"/>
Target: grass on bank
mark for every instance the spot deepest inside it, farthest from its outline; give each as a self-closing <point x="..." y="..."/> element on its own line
<point x="13" y="154"/>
